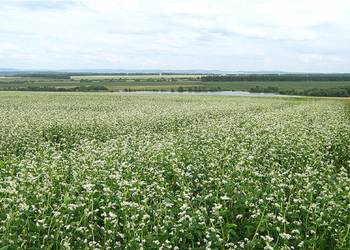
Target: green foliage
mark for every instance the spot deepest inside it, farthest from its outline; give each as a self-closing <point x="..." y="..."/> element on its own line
<point x="269" y="89"/>
<point x="276" y="77"/>
<point x="329" y="92"/>
<point x="88" y="88"/>
<point x="120" y="171"/>
<point x="330" y="85"/>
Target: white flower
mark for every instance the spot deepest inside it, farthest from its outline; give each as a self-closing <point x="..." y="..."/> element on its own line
<point x="285" y="236"/>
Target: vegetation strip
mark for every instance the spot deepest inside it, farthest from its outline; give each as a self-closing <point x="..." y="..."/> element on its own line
<point x="107" y="171"/>
<point x="329" y="85"/>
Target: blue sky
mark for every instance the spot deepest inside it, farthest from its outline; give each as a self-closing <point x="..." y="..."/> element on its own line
<point x="295" y="36"/>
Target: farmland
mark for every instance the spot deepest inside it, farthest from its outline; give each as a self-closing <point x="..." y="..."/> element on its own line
<point x="137" y="77"/>
<point x="319" y="86"/>
<point x="119" y="170"/>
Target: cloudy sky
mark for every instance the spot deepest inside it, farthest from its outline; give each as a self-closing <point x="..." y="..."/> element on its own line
<point x="288" y="35"/>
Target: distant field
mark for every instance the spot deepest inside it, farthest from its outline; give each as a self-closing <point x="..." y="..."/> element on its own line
<point x="134" y="77"/>
<point x="170" y="83"/>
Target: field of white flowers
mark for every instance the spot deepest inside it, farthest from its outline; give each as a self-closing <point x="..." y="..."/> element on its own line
<point x="119" y="171"/>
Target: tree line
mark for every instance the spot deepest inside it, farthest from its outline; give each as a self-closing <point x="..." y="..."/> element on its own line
<point x="276" y="77"/>
<point x="329" y="92"/>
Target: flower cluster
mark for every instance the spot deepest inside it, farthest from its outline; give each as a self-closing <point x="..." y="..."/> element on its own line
<point x="123" y="171"/>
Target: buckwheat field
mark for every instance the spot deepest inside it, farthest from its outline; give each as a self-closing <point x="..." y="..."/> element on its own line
<point x="127" y="171"/>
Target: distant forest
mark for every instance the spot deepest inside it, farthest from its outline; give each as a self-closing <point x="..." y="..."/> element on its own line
<point x="276" y="77"/>
<point x="328" y="92"/>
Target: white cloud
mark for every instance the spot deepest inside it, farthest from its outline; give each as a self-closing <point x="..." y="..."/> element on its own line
<point x="224" y="34"/>
<point x="111" y="5"/>
<point x="7" y="47"/>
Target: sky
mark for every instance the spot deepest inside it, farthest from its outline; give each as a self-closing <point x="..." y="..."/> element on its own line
<point x="230" y="35"/>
